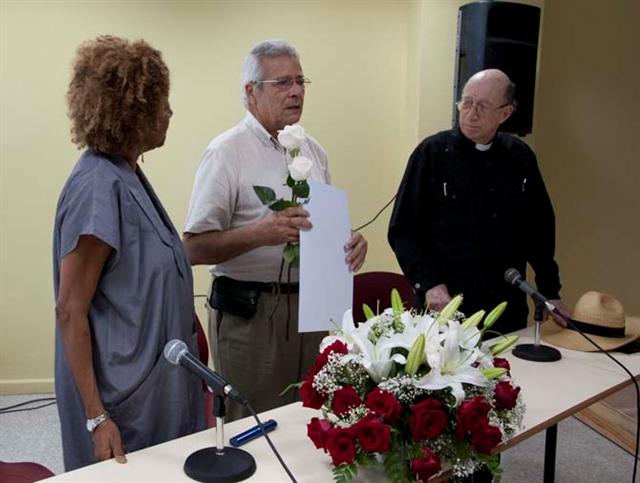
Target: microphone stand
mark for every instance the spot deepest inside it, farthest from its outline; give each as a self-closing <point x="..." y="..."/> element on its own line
<point x="219" y="464"/>
<point x="537" y="352"/>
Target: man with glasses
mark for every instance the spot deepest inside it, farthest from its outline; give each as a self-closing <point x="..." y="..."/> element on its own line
<point x="253" y="320"/>
<point x="472" y="204"/>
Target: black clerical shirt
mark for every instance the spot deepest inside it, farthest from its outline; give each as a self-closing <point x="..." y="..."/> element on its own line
<point x="463" y="216"/>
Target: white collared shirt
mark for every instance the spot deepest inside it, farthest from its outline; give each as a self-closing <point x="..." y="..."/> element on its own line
<point x="223" y="197"/>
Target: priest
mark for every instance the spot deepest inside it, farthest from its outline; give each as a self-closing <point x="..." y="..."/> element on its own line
<point x="472" y="204"/>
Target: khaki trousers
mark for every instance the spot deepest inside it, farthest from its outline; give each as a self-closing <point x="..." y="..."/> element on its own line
<point x="258" y="356"/>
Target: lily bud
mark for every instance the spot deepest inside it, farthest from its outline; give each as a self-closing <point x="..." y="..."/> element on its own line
<point x="368" y="313"/>
<point x="493" y="315"/>
<point x="416" y="355"/>
<point x="493" y="372"/>
<point x="474" y="320"/>
<point x="504" y="345"/>
<point x="396" y="302"/>
<point x="449" y="310"/>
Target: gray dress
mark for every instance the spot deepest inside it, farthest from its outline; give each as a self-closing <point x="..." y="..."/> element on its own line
<point x="144" y="299"/>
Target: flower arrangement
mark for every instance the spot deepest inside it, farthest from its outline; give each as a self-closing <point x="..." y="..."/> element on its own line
<point x="291" y="138"/>
<point x="412" y="393"/>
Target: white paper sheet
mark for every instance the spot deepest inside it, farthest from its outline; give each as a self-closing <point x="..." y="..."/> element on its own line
<point x="326" y="284"/>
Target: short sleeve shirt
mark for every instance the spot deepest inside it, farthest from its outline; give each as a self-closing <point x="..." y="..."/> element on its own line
<point x="144" y="298"/>
<point x="223" y="197"/>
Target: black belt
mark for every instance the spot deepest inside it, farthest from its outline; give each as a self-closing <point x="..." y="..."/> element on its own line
<point x="270" y="287"/>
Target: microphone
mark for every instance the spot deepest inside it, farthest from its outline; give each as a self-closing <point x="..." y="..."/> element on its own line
<point x="536" y="351"/>
<point x="513" y="277"/>
<point x="177" y="352"/>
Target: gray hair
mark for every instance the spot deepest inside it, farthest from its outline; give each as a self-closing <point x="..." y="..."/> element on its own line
<point x="252" y="65"/>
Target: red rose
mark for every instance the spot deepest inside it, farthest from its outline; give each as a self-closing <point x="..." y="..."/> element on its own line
<point x="427" y="420"/>
<point x="310" y="397"/>
<point x="321" y="360"/>
<point x="374" y="436"/>
<point x="505" y="395"/>
<point x="425" y="467"/>
<point x="344" y="399"/>
<point x="336" y="346"/>
<point x="317" y="431"/>
<point x="341" y="446"/>
<point x="318" y="364"/>
<point x="384" y="405"/>
<point x="470" y="414"/>
<point x="500" y="362"/>
<point x="485" y="437"/>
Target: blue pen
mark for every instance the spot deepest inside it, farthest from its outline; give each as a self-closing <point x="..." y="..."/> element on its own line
<point x="252" y="433"/>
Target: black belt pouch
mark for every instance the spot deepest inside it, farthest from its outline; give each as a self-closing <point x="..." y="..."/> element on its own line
<point x="234" y="297"/>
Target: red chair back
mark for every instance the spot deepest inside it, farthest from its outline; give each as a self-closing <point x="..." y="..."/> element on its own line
<point x="203" y="355"/>
<point x="374" y="289"/>
<point x="23" y="472"/>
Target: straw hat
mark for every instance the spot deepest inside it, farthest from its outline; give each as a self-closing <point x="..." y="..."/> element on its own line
<point x="601" y="317"/>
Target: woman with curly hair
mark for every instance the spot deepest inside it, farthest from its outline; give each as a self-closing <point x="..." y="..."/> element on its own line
<point x="122" y="280"/>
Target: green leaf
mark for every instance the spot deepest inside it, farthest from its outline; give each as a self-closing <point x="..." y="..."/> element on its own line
<point x="301" y="189"/>
<point x="291" y="387"/>
<point x="396" y="467"/>
<point x="291" y="254"/>
<point x="281" y="204"/>
<point x="368" y="313"/>
<point x="345" y="473"/>
<point x="266" y="194"/>
<point x="290" y="181"/>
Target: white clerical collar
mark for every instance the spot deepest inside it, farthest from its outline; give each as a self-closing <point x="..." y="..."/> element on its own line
<point x="483" y="147"/>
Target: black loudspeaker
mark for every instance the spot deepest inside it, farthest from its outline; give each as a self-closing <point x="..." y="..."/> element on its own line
<point x="500" y="35"/>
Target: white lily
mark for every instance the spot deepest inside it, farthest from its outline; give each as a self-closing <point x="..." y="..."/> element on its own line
<point x="451" y="364"/>
<point x="375" y="358"/>
<point x="347" y="332"/>
<point x="413" y="327"/>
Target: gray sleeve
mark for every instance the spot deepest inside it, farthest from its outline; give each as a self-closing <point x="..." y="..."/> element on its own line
<point x="90" y="206"/>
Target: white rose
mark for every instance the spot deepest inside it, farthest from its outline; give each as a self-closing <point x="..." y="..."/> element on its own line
<point x="291" y="137"/>
<point x="300" y="168"/>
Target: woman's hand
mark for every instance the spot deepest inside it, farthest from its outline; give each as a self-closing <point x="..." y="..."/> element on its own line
<point x="107" y="442"/>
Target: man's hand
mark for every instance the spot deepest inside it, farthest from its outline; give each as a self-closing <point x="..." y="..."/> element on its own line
<point x="438" y="297"/>
<point x="564" y="310"/>
<point x="356" y="249"/>
<point x="284" y="226"/>
<point x="107" y="442"/>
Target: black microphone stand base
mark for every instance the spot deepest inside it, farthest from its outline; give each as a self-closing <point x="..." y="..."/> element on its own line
<point x="209" y="466"/>
<point x="536" y="353"/>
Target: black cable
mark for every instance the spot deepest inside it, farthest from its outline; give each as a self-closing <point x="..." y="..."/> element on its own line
<point x="569" y="321"/>
<point x="377" y="215"/>
<point x="27" y="409"/>
<point x="10" y="409"/>
<point x="264" y="433"/>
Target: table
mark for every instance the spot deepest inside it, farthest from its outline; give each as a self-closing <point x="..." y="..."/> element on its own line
<point x="552" y="392"/>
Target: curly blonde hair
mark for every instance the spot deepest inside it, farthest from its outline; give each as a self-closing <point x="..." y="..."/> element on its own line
<point x="117" y="92"/>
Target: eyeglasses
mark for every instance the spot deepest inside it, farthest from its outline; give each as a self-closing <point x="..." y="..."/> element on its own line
<point x="284" y="83"/>
<point x="482" y="108"/>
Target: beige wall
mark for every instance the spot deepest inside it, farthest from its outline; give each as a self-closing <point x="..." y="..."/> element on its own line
<point x="365" y="59"/>
<point x="587" y="124"/>
<point x="382" y="76"/>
